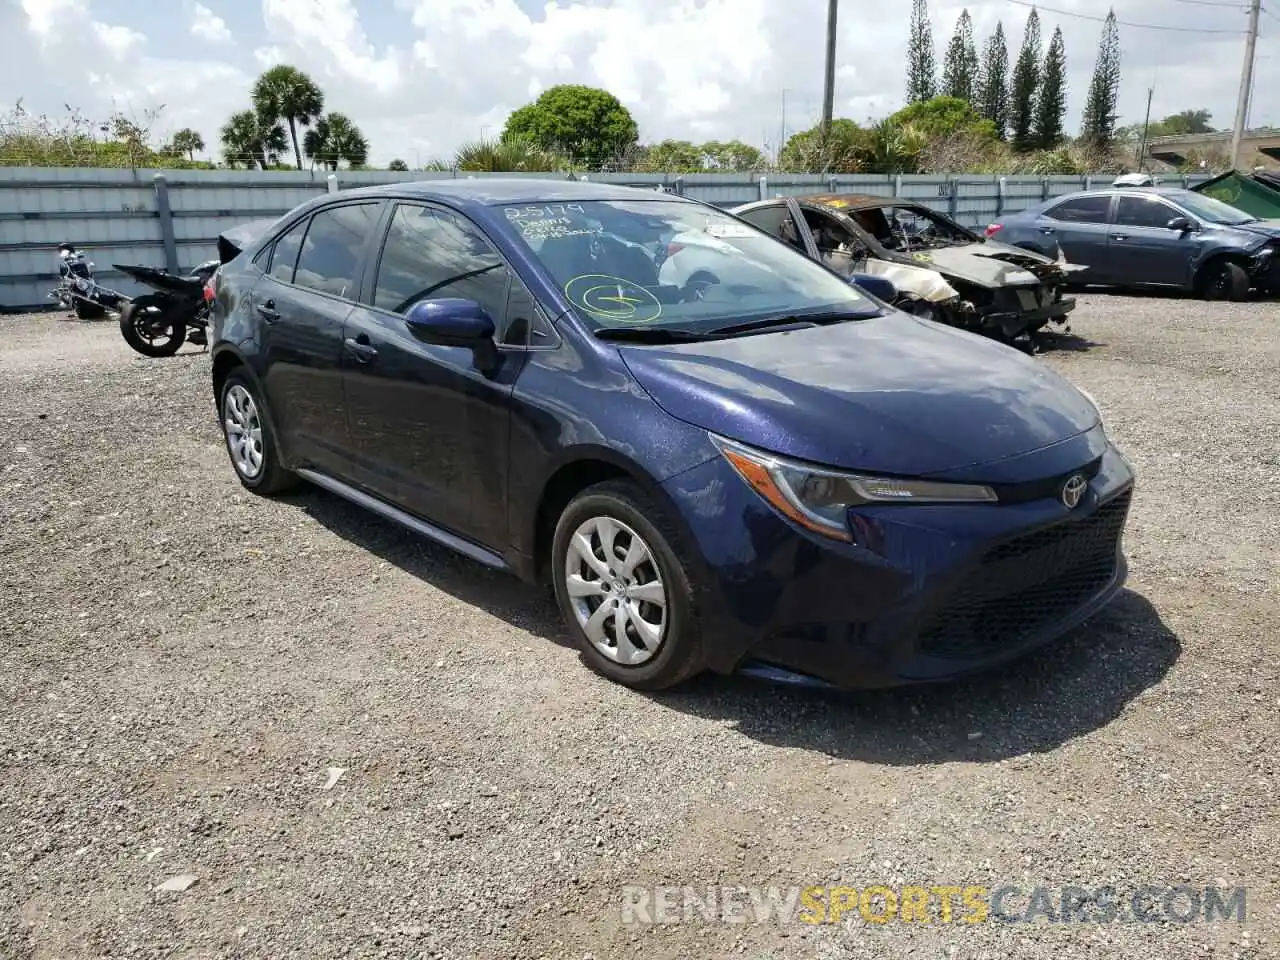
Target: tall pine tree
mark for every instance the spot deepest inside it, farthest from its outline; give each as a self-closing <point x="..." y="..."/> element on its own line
<point x="1026" y="82"/>
<point x="1051" y="102"/>
<point x="960" y="68"/>
<point x="1099" y="127"/>
<point x="993" y="82"/>
<point x="922" y="78"/>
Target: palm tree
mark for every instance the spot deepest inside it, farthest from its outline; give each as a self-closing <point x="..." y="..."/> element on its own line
<point x="247" y="138"/>
<point x="510" y="154"/>
<point x="286" y="93"/>
<point x="335" y="138"/>
<point x="188" y="141"/>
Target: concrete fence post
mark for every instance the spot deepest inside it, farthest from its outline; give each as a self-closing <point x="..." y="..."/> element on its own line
<point x="1044" y="188"/>
<point x="1088" y="181"/>
<point x="679" y="185"/>
<point x="1002" y="184"/>
<point x="897" y="184"/>
<point x="953" y="197"/>
<point x="764" y="188"/>
<point x="331" y="183"/>
<point x="165" y="214"/>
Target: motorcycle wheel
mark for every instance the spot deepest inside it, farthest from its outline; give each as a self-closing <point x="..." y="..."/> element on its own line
<point x="88" y="310"/>
<point x="147" y="329"/>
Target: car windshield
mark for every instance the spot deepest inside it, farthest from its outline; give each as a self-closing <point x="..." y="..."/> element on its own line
<point x="1215" y="211"/>
<point x="915" y="227"/>
<point x="675" y="266"/>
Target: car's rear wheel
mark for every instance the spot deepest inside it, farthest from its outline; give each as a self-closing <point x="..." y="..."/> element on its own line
<point x="624" y="589"/>
<point x="250" y="442"/>
<point x="1224" y="280"/>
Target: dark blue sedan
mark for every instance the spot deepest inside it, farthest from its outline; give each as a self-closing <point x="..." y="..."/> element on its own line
<point x="765" y="470"/>
<point x="1152" y="237"/>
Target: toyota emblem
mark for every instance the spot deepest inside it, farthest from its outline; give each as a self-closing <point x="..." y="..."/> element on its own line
<point x="1073" y="491"/>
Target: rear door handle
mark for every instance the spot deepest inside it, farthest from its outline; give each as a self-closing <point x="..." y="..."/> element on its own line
<point x="360" y="346"/>
<point x="1119" y="236"/>
<point x="268" y="311"/>
<point x="1047" y="231"/>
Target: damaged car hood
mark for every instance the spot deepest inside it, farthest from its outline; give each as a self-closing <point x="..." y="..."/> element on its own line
<point x="992" y="264"/>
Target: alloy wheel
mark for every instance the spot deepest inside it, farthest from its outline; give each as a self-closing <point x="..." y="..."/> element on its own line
<point x="244" y="431"/>
<point x="616" y="590"/>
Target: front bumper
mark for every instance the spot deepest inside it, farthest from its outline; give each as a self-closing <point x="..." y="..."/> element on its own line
<point x="926" y="593"/>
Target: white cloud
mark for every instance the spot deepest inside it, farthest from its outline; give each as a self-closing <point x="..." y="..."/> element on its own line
<point x="207" y="25"/>
<point x="421" y="76"/>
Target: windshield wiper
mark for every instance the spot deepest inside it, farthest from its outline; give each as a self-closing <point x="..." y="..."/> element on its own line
<point x="796" y="320"/>
<point x="649" y="335"/>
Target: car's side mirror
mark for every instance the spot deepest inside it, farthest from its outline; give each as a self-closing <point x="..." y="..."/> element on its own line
<point x="455" y="322"/>
<point x="879" y="287"/>
<point x="1181" y="224"/>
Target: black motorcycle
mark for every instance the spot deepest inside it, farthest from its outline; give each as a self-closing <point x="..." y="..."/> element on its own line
<point x="157" y="324"/>
<point x="77" y="290"/>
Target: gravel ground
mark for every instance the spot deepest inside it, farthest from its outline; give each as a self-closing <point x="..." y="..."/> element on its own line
<point x="182" y="663"/>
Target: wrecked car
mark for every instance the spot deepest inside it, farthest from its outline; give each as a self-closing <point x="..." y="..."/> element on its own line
<point x="942" y="270"/>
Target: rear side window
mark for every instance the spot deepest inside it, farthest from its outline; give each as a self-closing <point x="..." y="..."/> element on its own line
<point x="768" y="219"/>
<point x="1143" y="212"/>
<point x="1081" y="210"/>
<point x="330" y="258"/>
<point x="775" y="220"/>
<point x="430" y="254"/>
<point x="284" y="255"/>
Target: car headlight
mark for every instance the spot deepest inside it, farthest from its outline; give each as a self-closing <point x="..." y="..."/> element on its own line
<point x="818" y="498"/>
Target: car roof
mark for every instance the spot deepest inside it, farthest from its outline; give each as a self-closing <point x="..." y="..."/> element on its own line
<point x="857" y="201"/>
<point x="1126" y="191"/>
<point x="489" y="191"/>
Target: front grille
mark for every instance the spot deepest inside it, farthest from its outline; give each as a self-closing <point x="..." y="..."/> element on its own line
<point x="1024" y="584"/>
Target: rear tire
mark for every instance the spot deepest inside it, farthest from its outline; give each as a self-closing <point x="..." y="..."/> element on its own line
<point x="623" y="585"/>
<point x="1224" y="280"/>
<point x="135" y="327"/>
<point x="86" y="310"/>
<point x="250" y="442"/>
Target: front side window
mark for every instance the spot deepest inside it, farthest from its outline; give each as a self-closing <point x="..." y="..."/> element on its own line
<point x="431" y="254"/>
<point x="1143" y="212"/>
<point x="604" y="255"/>
<point x="330" y="257"/>
<point x="1081" y="210"/>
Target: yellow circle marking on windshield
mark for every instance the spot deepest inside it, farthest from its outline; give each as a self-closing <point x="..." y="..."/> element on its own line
<point x="615" y="298"/>
<point x="922" y="257"/>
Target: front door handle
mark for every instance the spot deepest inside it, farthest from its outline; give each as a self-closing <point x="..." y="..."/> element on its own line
<point x="268" y="311"/>
<point x="360" y="346"/>
<point x="1119" y="236"/>
<point x="1047" y="231"/>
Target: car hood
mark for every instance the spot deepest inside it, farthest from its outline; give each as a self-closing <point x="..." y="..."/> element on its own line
<point x="990" y="264"/>
<point x="893" y="394"/>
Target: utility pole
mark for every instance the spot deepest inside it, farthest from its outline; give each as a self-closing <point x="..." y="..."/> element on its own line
<point x="829" y="89"/>
<point x="1246" y="82"/>
<point x="1146" y="123"/>
<point x="782" y="129"/>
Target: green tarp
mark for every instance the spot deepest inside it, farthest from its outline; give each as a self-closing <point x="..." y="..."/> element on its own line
<point x="1256" y="194"/>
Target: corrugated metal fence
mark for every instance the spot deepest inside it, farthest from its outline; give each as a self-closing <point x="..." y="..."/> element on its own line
<point x="170" y="218"/>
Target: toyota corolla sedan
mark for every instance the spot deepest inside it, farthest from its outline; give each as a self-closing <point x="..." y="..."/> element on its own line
<point x="773" y="473"/>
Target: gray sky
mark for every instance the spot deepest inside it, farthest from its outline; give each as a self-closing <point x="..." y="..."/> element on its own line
<point x="421" y="76"/>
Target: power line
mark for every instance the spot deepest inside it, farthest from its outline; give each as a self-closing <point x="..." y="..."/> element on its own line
<point x="1273" y="16"/>
<point x="1237" y="4"/>
<point x="1122" y="23"/>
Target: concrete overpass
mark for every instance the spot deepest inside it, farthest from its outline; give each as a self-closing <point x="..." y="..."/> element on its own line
<point x="1258" y="148"/>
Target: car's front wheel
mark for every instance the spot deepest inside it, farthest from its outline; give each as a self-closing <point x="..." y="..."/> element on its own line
<point x="624" y="589"/>
<point x="250" y="443"/>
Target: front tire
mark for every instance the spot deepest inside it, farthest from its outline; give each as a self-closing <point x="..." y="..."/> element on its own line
<point x="249" y="439"/>
<point x="1224" y="280"/>
<point x="623" y="586"/>
<point x="152" y="334"/>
